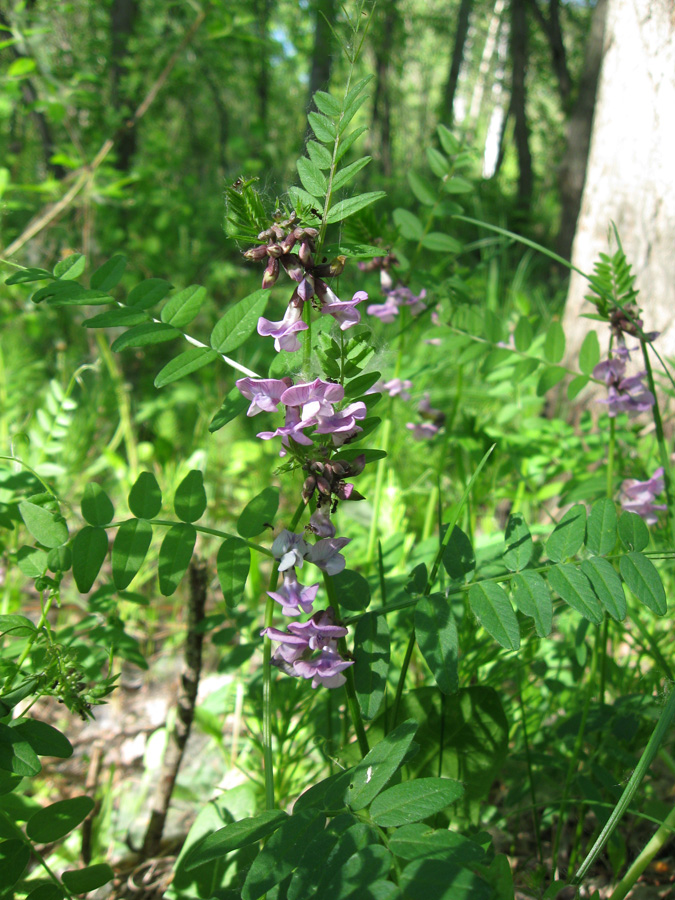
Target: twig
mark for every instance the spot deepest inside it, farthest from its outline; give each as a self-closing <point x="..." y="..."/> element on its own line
<point x="186" y="710"/>
<point x="83" y="175"/>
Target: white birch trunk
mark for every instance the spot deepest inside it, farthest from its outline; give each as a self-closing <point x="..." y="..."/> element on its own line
<point x="630" y="178"/>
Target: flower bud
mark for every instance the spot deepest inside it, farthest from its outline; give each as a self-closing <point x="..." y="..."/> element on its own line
<point x="323" y="485"/>
<point x="271" y="273"/>
<point x="274" y="251"/>
<point x="288" y="243"/>
<point x="293" y="266"/>
<point x="332" y="269"/>
<point x="358" y="464"/>
<point x="259" y="252"/>
<point x="308" y="488"/>
<point x="306" y="254"/>
<point x="265" y="235"/>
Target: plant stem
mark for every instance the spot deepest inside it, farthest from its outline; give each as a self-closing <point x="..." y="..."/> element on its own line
<point x="661" y="440"/>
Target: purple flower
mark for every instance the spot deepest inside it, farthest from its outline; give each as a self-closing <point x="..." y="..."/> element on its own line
<point x="290" y="549"/>
<point x="284" y="332"/>
<point x="623" y="394"/>
<point x="326" y="555"/>
<point x="292" y="428"/>
<point x="423" y="431"/>
<point x="294" y="597"/>
<point x="315" y="397"/>
<point x="264" y="394"/>
<point x="320" y="631"/>
<point x="386" y="312"/>
<point x="291" y="647"/>
<point x="611" y="370"/>
<point x="343" y="423"/>
<point x="343" y="312"/>
<point x="638" y="496"/>
<point x="325" y="670"/>
<point x="397" y="388"/>
<point x="321" y="525"/>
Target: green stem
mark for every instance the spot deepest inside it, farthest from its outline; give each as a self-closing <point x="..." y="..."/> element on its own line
<point x="661" y="440"/>
<point x="268" y="756"/>
<point x="647" y="854"/>
<point x="204" y="530"/>
<point x="9" y="823"/>
<point x="660" y="731"/>
<point x="29" y="643"/>
<point x="352" y="701"/>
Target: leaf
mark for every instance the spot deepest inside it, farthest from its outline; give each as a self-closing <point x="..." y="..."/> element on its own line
<point x="459" y="559"/>
<point x="358" y="873"/>
<point x="47" y="527"/>
<point x="54" y="822"/>
<point x="371" y="652"/>
<point x="438" y="164"/>
<point x="420" y="842"/>
<point x="548" y="379"/>
<point x="145" y="497"/>
<point x="147" y="293"/>
<point x="20" y="67"/>
<point x="14" y="857"/>
<point x="589" y="354"/>
<point x="358" y="386"/>
<point x="436" y="634"/>
<point x="311" y="176"/>
<point x="301" y="197"/>
<point x="568" y="535"/>
<point x="258" y="513"/>
<point x="352" y="205"/>
<point x="457" y="185"/>
<point x="129" y="550"/>
<point x="414" y="800"/>
<point x="422" y="189"/>
<point x="16" y="754"/>
<point x="175" y="555"/>
<point x="282" y="853"/>
<point x="185" y="364"/>
<point x="523" y="334"/>
<point x="348" y="140"/>
<point x="644" y="581"/>
<point x="319" y="155"/>
<point x="408" y="224"/>
<point x="441" y="243"/>
<point x="25" y="276"/>
<point x="492" y="608"/>
<point x="554" y="344"/>
<point x="234" y="836"/>
<point x="577" y="385"/>
<point x="378" y="766"/>
<point x="90" y="548"/>
<point x="109" y="274"/>
<point x="46" y="892"/>
<point x="182" y="308"/>
<point x="16" y="626"/>
<point x="572" y="585"/>
<point x="239" y="322"/>
<point x="607" y="586"/>
<point x="58" y="291"/>
<point x="75" y="295"/>
<point x="144" y="335"/>
<point x="353" y="590"/>
<point x="633" y="532"/>
<point x="70" y="267"/>
<point x="518" y="546"/>
<point x="96" y="506"/>
<point x="44" y="738"/>
<point x="327" y="103"/>
<point x="31" y="561"/>
<point x="449" y="142"/>
<point x="532" y="598"/>
<point x="189" y="501"/>
<point x="119" y="317"/>
<point x="344" y="176"/>
<point x="232" y="565"/>
<point x="81" y="881"/>
<point x="234" y="404"/>
<point x="438" y="879"/>
<point x="601" y="527"/>
<point x="322" y="127"/>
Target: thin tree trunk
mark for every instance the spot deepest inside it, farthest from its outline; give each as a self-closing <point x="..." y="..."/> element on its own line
<point x="552" y="30"/>
<point x="572" y="173"/>
<point x="485" y="63"/>
<point x="381" y="119"/>
<point x="461" y="31"/>
<point x="322" y="59"/>
<point x="263" y="73"/>
<point x="519" y="101"/>
<point x="122" y="17"/>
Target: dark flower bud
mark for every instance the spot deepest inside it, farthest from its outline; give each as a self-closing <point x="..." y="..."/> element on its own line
<point x="265" y="235"/>
<point x="317" y="466"/>
<point x="323" y="485"/>
<point x="288" y="243"/>
<point x="278" y="232"/>
<point x="340" y="468"/>
<point x="306" y="254"/>
<point x="259" y="252"/>
<point x="312" y="233"/>
<point x="274" y="250"/>
<point x="332" y="269"/>
<point x="308" y="488"/>
<point x="293" y="266"/>
<point x="358" y="464"/>
<point x="271" y="273"/>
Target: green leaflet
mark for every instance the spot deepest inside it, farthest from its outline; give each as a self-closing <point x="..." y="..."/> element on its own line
<point x="90" y="548"/>
<point x="436" y="634"/>
<point x="129" y="550"/>
<point x="574" y="588"/>
<point x="174" y="556"/>
<point x="491" y="606"/>
<point x="239" y="322"/>
<point x="644" y="581"/>
<point x="232" y="565"/>
<point x="371" y="652"/>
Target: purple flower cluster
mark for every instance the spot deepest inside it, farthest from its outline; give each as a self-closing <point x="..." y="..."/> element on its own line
<point x="434" y="419"/>
<point x="309" y="277"/>
<point x="624" y="394"/>
<point x="639" y="496"/>
<point x="310" y="405"/>
<point x="395" y="298"/>
<point x="308" y="649"/>
<point x="395" y="388"/>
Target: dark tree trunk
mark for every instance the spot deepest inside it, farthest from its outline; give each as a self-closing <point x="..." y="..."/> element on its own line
<point x="30" y="97"/>
<point x="322" y="60"/>
<point x="263" y="71"/>
<point x="572" y="175"/>
<point x="381" y="119"/>
<point x="122" y="16"/>
<point x="461" y="31"/>
<point x="552" y="30"/>
<point x="519" y="100"/>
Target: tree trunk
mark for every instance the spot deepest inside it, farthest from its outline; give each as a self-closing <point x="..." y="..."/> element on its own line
<point x="263" y="74"/>
<point x="461" y="31"/>
<point x="572" y="173"/>
<point x="485" y="63"/>
<point x="521" y="129"/>
<point x="319" y="73"/>
<point x="122" y="16"/>
<point x="381" y="118"/>
<point x="631" y="178"/>
<point x="552" y="30"/>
